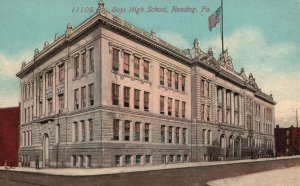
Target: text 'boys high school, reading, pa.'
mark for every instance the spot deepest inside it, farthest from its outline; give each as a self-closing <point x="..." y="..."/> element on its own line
<point x="107" y="93"/>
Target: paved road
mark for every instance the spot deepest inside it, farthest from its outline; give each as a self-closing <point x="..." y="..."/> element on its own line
<point x="194" y="174"/>
<point x="278" y="177"/>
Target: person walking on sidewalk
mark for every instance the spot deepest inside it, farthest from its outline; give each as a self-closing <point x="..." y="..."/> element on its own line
<point x="37" y="162"/>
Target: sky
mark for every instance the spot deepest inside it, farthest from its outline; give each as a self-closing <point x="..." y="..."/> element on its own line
<point x="261" y="35"/>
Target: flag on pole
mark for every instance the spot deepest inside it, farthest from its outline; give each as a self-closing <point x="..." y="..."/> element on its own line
<point x="214" y="19"/>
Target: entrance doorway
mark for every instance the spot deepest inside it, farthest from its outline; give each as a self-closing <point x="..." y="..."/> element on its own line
<point x="45" y="150"/>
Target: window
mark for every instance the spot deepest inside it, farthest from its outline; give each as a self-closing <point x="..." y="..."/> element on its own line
<point x="208" y="113"/>
<point x="170" y="106"/>
<point x="118" y="160"/>
<point x="178" y="158"/>
<point x="164" y="159"/>
<point x="61" y="73"/>
<point x="115" y="94"/>
<point x="176" y="108"/>
<point x="183" y="109"/>
<point x="176" y="80"/>
<point x="128" y="159"/>
<point x="61" y="102"/>
<point x="88" y="161"/>
<point x="177" y="135"/>
<point x="83" y="97"/>
<point x="162" y="76"/>
<point x="50" y="106"/>
<point x="170" y="134"/>
<point x="202" y="82"/>
<point x="126" y="65"/>
<point x="76" y="66"/>
<point x="76" y="105"/>
<point x="147" y="128"/>
<point x="115" y="58"/>
<point x="40" y="107"/>
<point x="41" y="83"/>
<point x="162" y="133"/>
<point x="146" y="101"/>
<point x="204" y="137"/>
<point x="136" y="99"/>
<point x="202" y="112"/>
<point x="80" y="160"/>
<point x="25" y="115"/>
<point x="83" y="131"/>
<point x="172" y="159"/>
<point x="75" y="128"/>
<point x="137" y="131"/>
<point x="169" y="78"/>
<point x="185" y="158"/>
<point x="116" y="129"/>
<point x="126" y="96"/>
<point x="148" y="159"/>
<point x="184" y="136"/>
<point x="91" y="59"/>
<point x="91" y="126"/>
<point x="49" y="78"/>
<point x="138" y="159"/>
<point x="208" y="89"/>
<point x="183" y="83"/>
<point x="127" y="131"/>
<point x="146" y="70"/>
<point x="209" y="142"/>
<point x="136" y="62"/>
<point x="91" y="94"/>
<point x="73" y="160"/>
<point x="83" y="60"/>
<point x="236" y="109"/>
<point x="162" y="104"/>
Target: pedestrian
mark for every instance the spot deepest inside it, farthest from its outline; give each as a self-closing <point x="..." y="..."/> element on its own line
<point x="37" y="162"/>
<point x="5" y="164"/>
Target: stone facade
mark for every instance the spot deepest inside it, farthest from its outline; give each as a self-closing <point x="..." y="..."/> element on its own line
<point x="107" y="93"/>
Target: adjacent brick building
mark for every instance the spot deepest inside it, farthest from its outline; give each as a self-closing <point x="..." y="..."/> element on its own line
<point x="107" y="93"/>
<point x="9" y="135"/>
<point x="287" y="141"/>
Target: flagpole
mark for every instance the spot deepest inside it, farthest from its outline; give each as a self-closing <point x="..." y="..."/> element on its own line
<point x="222" y="27"/>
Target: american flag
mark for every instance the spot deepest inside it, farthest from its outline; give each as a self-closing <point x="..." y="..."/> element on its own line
<point x="214" y="19"/>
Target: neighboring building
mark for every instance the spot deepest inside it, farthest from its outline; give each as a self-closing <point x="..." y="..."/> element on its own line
<point x="9" y="135"/>
<point x="287" y="141"/>
<point x="110" y="94"/>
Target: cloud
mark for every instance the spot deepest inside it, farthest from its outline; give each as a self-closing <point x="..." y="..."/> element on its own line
<point x="270" y="63"/>
<point x="9" y="66"/>
<point x="174" y="39"/>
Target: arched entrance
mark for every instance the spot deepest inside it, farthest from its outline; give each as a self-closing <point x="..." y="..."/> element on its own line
<point x="231" y="146"/>
<point x="238" y="144"/>
<point x="223" y="145"/>
<point x="45" y="150"/>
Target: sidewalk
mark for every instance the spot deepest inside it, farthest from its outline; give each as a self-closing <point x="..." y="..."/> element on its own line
<point x="116" y="170"/>
<point x="278" y="177"/>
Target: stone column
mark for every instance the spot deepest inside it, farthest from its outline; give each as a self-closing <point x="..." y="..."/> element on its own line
<point x="54" y="97"/>
<point x="131" y="98"/>
<point x="44" y="94"/>
<point x="121" y="96"/>
<point x="240" y="110"/>
<point x="173" y="134"/>
<point x="121" y="62"/>
<point x="34" y="113"/>
<point x="232" y="108"/>
<point x="180" y="135"/>
<point x="131" y="134"/>
<point x="66" y="95"/>
<point x="166" y="134"/>
<point x="142" y="131"/>
<point x="121" y="130"/>
<point x="214" y="115"/>
<point x="224" y="105"/>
